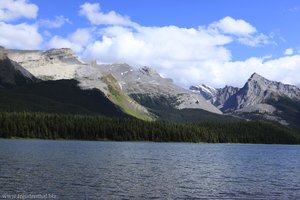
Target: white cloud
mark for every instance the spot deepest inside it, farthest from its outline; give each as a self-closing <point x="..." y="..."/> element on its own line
<point x="239" y="27"/>
<point x="162" y="48"/>
<point x="76" y="41"/>
<point x="14" y="9"/>
<point x="96" y="17"/>
<point x="58" y="22"/>
<point x="289" y="51"/>
<point x="255" y="40"/>
<point x="241" y="30"/>
<point x="20" y="36"/>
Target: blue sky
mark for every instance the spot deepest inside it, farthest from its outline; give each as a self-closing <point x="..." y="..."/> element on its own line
<point x="213" y="41"/>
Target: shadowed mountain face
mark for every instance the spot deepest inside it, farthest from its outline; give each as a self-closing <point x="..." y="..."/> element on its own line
<point x="61" y="96"/>
<point x="12" y="74"/>
<point x="259" y="98"/>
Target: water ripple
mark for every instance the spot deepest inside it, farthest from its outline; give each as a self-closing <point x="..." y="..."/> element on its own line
<point x="124" y="170"/>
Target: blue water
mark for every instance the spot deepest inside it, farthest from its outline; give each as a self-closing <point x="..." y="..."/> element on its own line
<point x="137" y="170"/>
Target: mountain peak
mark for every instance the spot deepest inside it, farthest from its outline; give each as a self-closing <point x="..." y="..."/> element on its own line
<point x="256" y="76"/>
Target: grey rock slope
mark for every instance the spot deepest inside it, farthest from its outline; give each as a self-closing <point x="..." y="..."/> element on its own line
<point x="12" y="74"/>
<point x="147" y="84"/>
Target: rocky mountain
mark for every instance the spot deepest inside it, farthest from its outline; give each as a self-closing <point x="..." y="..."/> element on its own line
<point x="259" y="98"/>
<point x="12" y="74"/>
<point x="59" y="64"/>
<point x="22" y="91"/>
<point x="217" y="96"/>
<point x="257" y="91"/>
<point x="138" y="92"/>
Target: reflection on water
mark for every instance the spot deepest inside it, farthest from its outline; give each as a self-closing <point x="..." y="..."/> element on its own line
<point x="136" y="170"/>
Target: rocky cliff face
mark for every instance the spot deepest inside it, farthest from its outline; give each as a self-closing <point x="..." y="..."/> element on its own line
<point x="224" y="94"/>
<point x="53" y="64"/>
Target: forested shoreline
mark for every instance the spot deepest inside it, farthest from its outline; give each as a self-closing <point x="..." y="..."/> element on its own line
<point x="95" y="127"/>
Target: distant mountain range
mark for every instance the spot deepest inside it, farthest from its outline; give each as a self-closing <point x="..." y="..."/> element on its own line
<point x="259" y="98"/>
<point x="56" y="80"/>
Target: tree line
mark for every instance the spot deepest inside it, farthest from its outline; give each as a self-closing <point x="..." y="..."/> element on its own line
<point x="89" y="127"/>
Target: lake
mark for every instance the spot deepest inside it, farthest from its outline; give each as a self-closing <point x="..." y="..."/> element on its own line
<point x="144" y="170"/>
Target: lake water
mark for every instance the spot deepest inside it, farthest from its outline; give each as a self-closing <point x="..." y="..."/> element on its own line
<point x="137" y="170"/>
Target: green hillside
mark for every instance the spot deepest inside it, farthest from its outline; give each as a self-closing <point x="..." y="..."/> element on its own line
<point x="126" y="103"/>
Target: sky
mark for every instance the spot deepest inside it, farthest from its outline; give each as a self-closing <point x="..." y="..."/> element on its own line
<point x="215" y="42"/>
